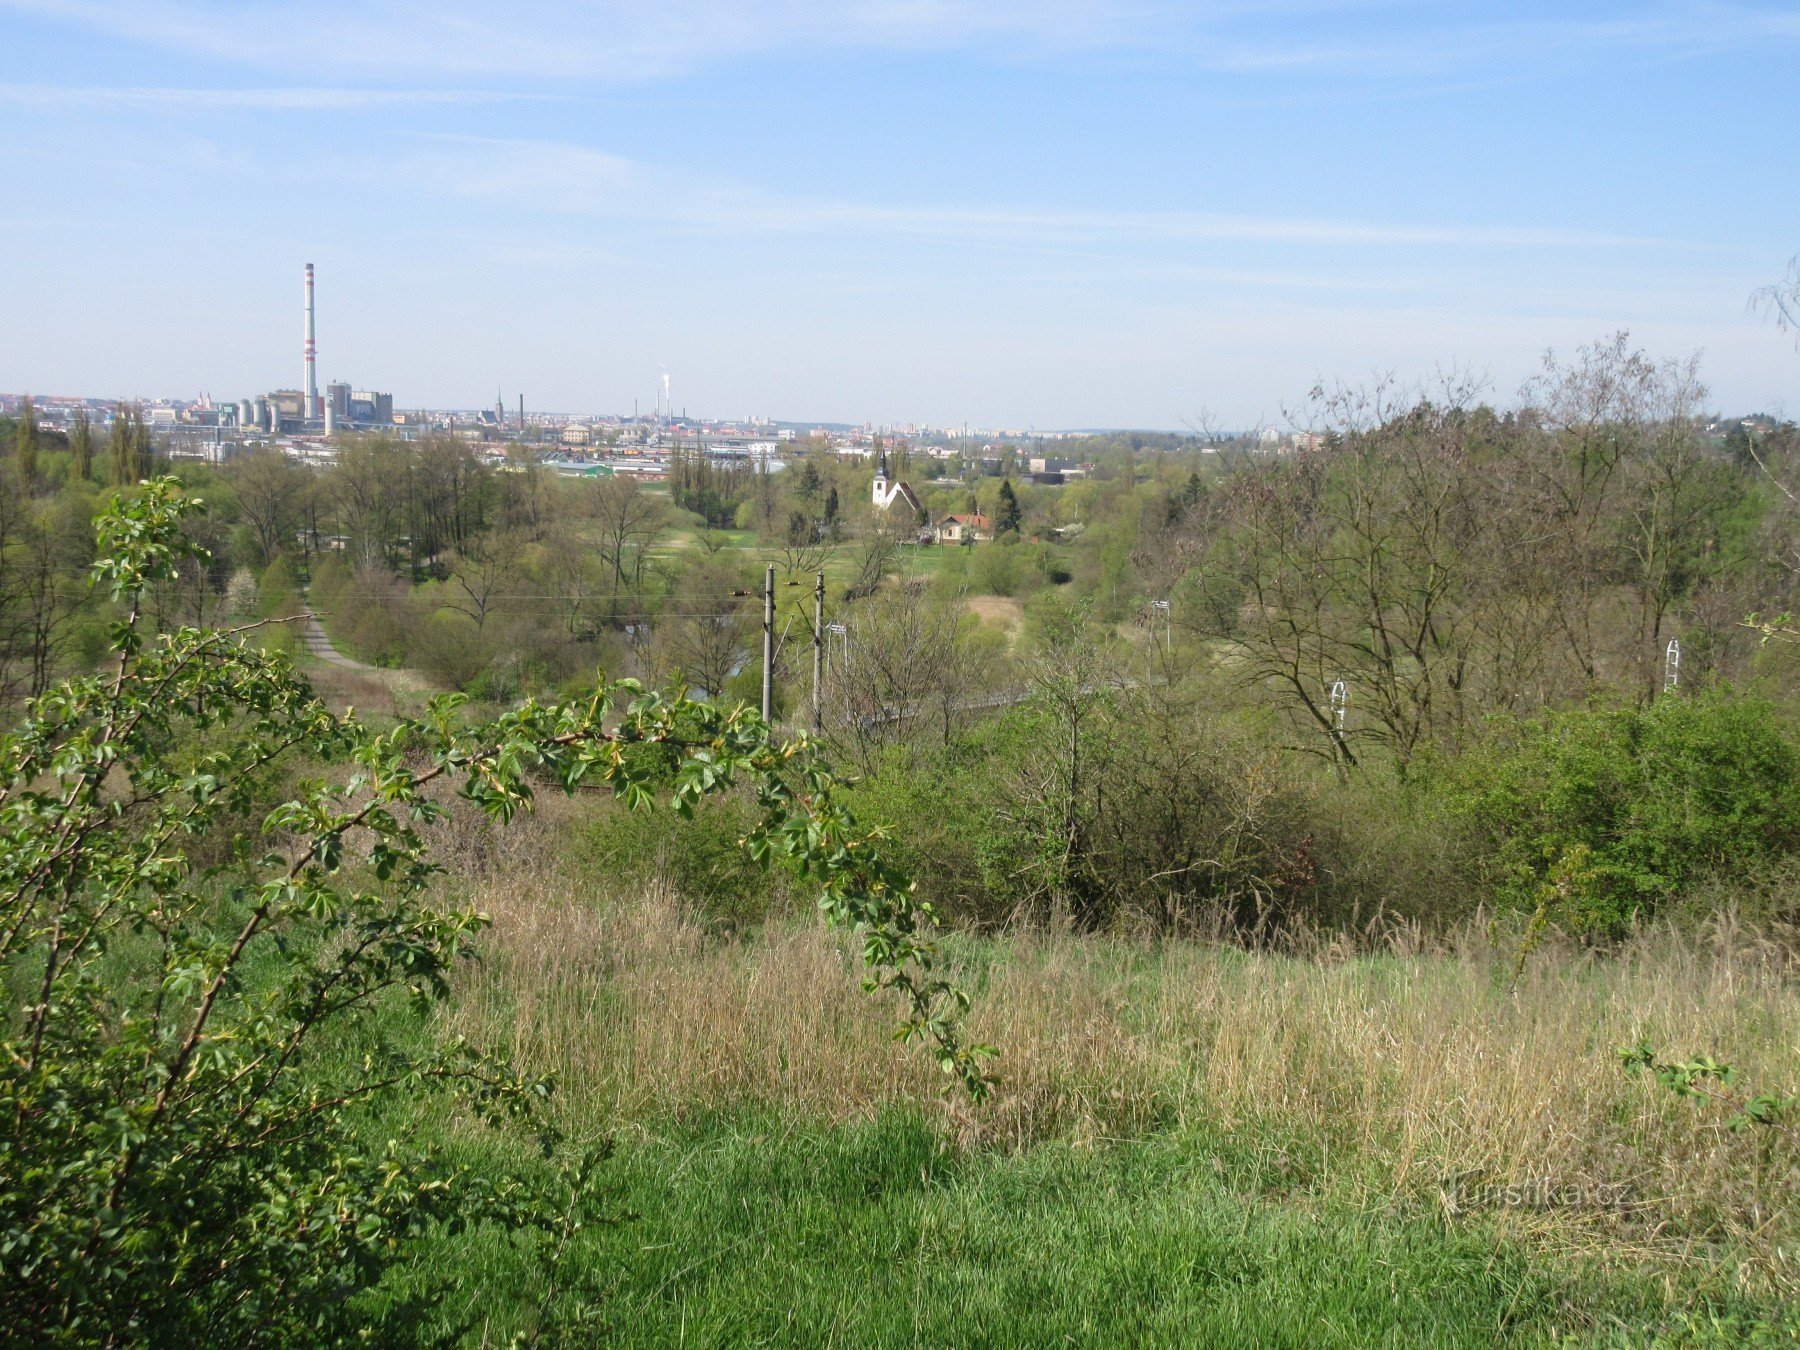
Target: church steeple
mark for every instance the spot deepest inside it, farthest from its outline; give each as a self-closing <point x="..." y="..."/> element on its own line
<point x="882" y="492"/>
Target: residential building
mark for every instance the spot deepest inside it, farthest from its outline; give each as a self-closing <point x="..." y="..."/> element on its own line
<point x="966" y="529"/>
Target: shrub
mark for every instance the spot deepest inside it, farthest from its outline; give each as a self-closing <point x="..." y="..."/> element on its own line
<point x="702" y="860"/>
<point x="1166" y="819"/>
<point x="1601" y="815"/>
<point x="448" y="648"/>
<point x="208" y="987"/>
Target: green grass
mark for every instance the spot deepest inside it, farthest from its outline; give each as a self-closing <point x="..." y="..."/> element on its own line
<point x="751" y="1231"/>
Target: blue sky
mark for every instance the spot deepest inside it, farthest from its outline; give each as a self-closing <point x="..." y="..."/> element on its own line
<point x="1060" y="213"/>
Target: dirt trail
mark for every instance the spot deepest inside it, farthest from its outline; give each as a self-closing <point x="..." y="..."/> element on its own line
<point x="318" y="644"/>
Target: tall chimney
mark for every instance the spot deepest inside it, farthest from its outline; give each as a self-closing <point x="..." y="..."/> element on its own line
<point x="312" y="379"/>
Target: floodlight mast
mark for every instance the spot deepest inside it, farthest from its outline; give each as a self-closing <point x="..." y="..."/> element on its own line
<point x="1672" y="666"/>
<point x="1168" y="622"/>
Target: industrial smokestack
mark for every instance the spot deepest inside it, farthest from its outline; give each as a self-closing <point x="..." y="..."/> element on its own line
<point x="312" y="380"/>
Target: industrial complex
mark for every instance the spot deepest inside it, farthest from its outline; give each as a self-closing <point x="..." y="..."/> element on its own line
<point x="304" y="421"/>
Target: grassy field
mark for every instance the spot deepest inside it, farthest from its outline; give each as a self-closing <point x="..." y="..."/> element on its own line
<point x="763" y="1230"/>
<point x="839" y="567"/>
<point x="1190" y="1144"/>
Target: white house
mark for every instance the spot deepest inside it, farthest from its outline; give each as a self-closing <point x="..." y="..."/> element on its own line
<point x="969" y="529"/>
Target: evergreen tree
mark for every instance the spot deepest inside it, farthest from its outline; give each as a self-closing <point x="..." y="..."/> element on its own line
<point x="831" y="504"/>
<point x="1184" y="500"/>
<point x="81" y="444"/>
<point x="27" y="443"/>
<point x="1006" y="517"/>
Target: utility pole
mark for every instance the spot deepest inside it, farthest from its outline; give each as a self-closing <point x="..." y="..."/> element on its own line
<point x="818" y="653"/>
<point x="768" y="699"/>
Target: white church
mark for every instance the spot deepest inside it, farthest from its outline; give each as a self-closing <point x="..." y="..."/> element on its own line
<point x="886" y="492"/>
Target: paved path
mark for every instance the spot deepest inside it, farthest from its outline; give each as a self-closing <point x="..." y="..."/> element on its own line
<point x="318" y="644"/>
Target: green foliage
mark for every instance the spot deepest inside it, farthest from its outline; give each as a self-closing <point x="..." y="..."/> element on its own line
<point x="213" y="987"/>
<point x="121" y="453"/>
<point x="25" y="444"/>
<point x="1007" y="518"/>
<point x="1118" y="809"/>
<point x="81" y="445"/>
<point x="368" y="612"/>
<point x="765" y="1230"/>
<point x="1706" y="1079"/>
<point x="277" y="592"/>
<point x="1593" y="817"/>
<point x="702" y="860"/>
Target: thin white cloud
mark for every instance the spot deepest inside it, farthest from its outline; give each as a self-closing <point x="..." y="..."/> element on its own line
<point x="58" y="97"/>
<point x="1525" y="45"/>
<point x="568" y="38"/>
<point x="623" y="39"/>
<point x="565" y="178"/>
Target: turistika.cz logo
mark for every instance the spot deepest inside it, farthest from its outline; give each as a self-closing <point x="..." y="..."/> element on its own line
<point x="1464" y="1191"/>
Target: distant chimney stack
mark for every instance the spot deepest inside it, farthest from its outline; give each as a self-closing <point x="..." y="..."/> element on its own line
<point x="311" y="384"/>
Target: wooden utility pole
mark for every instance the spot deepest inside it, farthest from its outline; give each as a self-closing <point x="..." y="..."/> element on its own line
<point x="818" y="653"/>
<point x="768" y="699"/>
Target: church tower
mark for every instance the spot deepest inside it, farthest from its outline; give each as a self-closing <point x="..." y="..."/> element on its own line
<point x="883" y="494"/>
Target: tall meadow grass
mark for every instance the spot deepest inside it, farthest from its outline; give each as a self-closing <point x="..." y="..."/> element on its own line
<point x="1370" y="1076"/>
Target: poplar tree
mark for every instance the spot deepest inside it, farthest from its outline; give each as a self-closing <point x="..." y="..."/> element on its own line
<point x="143" y="450"/>
<point x="27" y="443"/>
<point x="81" y="444"/>
<point x="119" y="449"/>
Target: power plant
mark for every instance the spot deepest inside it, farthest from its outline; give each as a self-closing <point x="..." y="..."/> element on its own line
<point x="302" y="410"/>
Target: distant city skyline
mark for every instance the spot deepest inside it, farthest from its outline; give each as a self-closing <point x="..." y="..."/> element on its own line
<point x="1073" y="213"/>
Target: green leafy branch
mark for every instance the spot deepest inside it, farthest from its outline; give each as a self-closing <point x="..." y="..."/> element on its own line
<point x="179" y="1144"/>
<point x="1705" y="1078"/>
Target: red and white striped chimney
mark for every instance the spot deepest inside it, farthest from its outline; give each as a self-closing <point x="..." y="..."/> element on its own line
<point x="312" y="378"/>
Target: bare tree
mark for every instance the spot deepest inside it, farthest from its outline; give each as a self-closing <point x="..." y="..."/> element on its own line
<point x="271" y="491"/>
<point x="366" y="490"/>
<point x="709" y="633"/>
<point x="876" y="550"/>
<point x="806" y="547"/>
<point x="627" y="521"/>
<point x="1782" y="299"/>
<point x="916" y="667"/>
<point x="576" y="580"/>
<point x="486" y="575"/>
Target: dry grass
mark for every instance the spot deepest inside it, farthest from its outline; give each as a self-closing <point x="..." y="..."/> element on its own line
<point x="1370" y="1076"/>
<point x="1002" y="611"/>
<point x="373" y="693"/>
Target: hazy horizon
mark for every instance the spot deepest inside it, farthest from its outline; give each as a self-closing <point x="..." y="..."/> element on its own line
<point x="1056" y="215"/>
